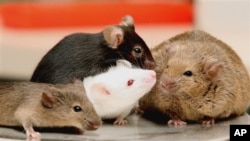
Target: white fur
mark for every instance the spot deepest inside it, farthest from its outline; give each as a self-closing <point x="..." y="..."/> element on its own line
<point x="109" y="93"/>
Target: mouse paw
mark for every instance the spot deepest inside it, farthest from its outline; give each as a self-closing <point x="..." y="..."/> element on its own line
<point x="34" y="136"/>
<point x="176" y="122"/>
<point x="120" y="121"/>
<point x="207" y="121"/>
<point x="138" y="110"/>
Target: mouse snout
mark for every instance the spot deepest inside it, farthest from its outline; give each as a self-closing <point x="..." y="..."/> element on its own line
<point x="149" y="64"/>
<point x="150" y="78"/>
<point x="167" y="83"/>
<point x="93" y="125"/>
<point x="153" y="75"/>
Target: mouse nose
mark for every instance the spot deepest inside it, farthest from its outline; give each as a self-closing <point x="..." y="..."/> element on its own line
<point x="149" y="65"/>
<point x="167" y="84"/>
<point x="93" y="125"/>
<point x="153" y="75"/>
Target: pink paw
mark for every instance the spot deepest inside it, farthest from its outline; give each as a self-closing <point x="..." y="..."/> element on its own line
<point x="138" y="110"/>
<point x="176" y="122"/>
<point x="207" y="121"/>
<point x="34" y="136"/>
<point x="120" y="122"/>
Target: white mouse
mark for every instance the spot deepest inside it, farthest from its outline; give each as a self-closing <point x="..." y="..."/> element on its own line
<point x="114" y="93"/>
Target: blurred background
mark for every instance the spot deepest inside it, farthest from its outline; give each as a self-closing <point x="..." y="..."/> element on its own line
<point x="29" y="28"/>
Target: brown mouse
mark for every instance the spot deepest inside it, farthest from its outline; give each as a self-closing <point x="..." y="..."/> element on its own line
<point x="30" y="104"/>
<point x="200" y="78"/>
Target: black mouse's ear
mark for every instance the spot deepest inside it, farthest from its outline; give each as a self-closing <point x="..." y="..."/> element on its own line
<point x="128" y="21"/>
<point x="114" y="36"/>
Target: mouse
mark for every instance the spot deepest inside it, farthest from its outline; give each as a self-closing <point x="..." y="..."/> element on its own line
<point x="199" y="79"/>
<point x="30" y="104"/>
<point x="79" y="55"/>
<point x="115" y="93"/>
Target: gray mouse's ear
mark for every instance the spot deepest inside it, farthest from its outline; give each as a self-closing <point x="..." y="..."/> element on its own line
<point x="125" y="63"/>
<point x="114" y="36"/>
<point x="128" y="21"/>
<point x="49" y="99"/>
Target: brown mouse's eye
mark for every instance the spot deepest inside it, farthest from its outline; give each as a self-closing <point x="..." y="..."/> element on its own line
<point x="130" y="82"/>
<point x="188" y="73"/>
<point x="77" y="108"/>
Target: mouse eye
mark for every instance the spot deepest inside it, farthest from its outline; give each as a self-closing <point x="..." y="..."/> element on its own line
<point x="188" y="73"/>
<point x="130" y="82"/>
<point x="137" y="50"/>
<point x="77" y="108"/>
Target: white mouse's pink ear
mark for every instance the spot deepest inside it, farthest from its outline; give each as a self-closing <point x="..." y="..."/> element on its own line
<point x="124" y="63"/>
<point x="128" y="21"/>
<point x="48" y="99"/>
<point x="212" y="67"/>
<point x="114" y="36"/>
<point x="99" y="89"/>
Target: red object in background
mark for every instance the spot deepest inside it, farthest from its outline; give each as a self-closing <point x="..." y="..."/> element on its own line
<point x="51" y="15"/>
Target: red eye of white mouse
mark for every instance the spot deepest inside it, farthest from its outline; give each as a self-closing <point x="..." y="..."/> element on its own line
<point x="130" y="82"/>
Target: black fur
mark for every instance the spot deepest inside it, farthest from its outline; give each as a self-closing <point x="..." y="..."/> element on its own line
<point x="82" y="54"/>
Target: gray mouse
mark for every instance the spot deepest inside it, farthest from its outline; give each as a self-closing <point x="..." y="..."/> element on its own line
<point x="30" y="104"/>
<point x="199" y="78"/>
<point x="86" y="54"/>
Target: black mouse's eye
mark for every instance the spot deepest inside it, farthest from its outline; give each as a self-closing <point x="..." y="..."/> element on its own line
<point x="188" y="73"/>
<point x="77" y="108"/>
<point x="130" y="82"/>
<point x="137" y="50"/>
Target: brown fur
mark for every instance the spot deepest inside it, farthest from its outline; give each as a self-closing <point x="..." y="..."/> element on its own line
<point x="218" y="88"/>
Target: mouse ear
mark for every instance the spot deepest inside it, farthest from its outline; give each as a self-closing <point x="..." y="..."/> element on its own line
<point x="212" y="67"/>
<point x="114" y="36"/>
<point x="49" y="99"/>
<point x="76" y="81"/>
<point x="125" y="63"/>
<point x="99" y="89"/>
<point x="128" y="21"/>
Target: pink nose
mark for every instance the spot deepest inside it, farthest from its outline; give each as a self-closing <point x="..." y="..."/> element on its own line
<point x="93" y="125"/>
<point x="149" y="65"/>
<point x="153" y="74"/>
<point x="167" y="84"/>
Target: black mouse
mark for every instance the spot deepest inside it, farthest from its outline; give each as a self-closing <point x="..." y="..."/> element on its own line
<point x="84" y="54"/>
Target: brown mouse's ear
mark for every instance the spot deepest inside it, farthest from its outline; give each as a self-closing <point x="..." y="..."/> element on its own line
<point x="212" y="67"/>
<point x="99" y="89"/>
<point x="114" y="36"/>
<point x="48" y="99"/>
<point x="128" y="21"/>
